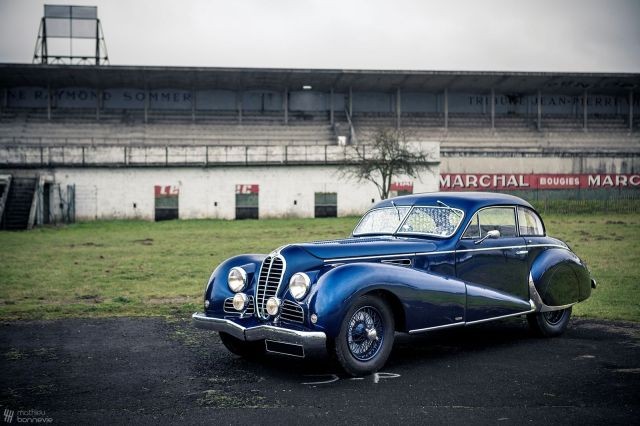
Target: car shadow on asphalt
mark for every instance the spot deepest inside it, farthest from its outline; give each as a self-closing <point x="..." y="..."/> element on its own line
<point x="408" y="350"/>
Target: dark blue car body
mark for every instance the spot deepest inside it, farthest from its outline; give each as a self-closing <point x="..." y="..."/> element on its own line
<point x="427" y="282"/>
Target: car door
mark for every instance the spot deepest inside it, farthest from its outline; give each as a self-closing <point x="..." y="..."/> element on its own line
<point x="493" y="265"/>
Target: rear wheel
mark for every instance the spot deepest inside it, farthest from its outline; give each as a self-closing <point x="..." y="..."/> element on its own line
<point x="240" y="347"/>
<point x="549" y="324"/>
<point x="366" y="336"/>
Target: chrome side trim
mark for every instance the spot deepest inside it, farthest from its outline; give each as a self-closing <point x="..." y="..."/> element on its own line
<point x="438" y="327"/>
<point x="431" y="253"/>
<point x="537" y="300"/>
<point x="511" y="247"/>
<point x="500" y="317"/>
<point x="386" y="256"/>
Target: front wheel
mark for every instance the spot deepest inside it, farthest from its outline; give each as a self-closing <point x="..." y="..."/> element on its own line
<point x="549" y="324"/>
<point x="241" y="347"/>
<point x="366" y="336"/>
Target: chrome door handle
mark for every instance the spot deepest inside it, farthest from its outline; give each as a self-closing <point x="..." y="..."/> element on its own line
<point x="522" y="252"/>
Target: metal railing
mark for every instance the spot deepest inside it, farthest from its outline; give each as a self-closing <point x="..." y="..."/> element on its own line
<point x="183" y="155"/>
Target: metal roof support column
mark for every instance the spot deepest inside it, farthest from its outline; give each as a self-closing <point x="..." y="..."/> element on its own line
<point x="98" y="100"/>
<point x="446" y="108"/>
<point x="193" y="105"/>
<point x="331" y="117"/>
<point x="285" y="105"/>
<point x="539" y="105"/>
<point x="493" y="109"/>
<point x="350" y="102"/>
<point x="630" y="109"/>
<point x="239" y="96"/>
<point x="398" y="108"/>
<point x="49" y="102"/>
<point x="146" y="104"/>
<point x="584" y="110"/>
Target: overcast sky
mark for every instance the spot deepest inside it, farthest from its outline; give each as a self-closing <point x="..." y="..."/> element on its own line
<point x="500" y="35"/>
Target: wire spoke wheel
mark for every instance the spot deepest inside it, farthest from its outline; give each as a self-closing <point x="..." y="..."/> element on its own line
<point x="549" y="324"/>
<point x="365" y="333"/>
<point x="554" y="317"/>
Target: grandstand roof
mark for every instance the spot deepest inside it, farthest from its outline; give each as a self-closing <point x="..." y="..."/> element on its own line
<point x="13" y="75"/>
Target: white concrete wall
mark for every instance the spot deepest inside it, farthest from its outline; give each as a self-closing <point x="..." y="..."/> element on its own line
<point x="103" y="193"/>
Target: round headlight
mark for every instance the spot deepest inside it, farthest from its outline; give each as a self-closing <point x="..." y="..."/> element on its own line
<point x="237" y="279"/>
<point x="273" y="306"/>
<point x="299" y="285"/>
<point x="239" y="301"/>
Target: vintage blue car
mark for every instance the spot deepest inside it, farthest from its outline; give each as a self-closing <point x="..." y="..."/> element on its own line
<point x="413" y="264"/>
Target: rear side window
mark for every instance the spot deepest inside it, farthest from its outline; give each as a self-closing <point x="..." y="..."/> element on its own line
<point x="529" y="223"/>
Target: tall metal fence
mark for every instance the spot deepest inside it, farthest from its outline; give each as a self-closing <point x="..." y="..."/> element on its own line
<point x="578" y="201"/>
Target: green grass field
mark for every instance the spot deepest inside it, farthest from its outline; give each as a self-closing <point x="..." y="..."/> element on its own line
<point x="144" y="268"/>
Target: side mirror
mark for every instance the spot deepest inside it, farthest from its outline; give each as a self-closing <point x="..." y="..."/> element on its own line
<point x="494" y="233"/>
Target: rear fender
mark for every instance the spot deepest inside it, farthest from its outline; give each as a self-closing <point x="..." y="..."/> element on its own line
<point x="560" y="278"/>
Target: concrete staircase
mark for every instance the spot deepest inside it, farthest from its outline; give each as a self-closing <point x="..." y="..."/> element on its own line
<point x="18" y="204"/>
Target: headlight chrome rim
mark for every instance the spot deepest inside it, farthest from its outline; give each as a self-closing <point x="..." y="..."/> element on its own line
<point x="273" y="306"/>
<point x="237" y="279"/>
<point x="299" y="285"/>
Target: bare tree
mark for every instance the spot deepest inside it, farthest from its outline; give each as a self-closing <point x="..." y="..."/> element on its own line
<point x="385" y="155"/>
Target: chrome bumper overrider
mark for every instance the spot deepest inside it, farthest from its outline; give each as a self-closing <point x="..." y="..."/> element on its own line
<point x="313" y="342"/>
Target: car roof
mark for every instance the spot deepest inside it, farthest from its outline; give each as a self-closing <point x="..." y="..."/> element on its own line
<point x="466" y="201"/>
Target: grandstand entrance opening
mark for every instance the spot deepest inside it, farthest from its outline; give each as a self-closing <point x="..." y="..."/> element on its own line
<point x="166" y="202"/>
<point x="247" y="199"/>
<point x="326" y="204"/>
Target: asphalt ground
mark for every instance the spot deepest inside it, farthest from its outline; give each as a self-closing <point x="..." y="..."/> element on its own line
<point x="157" y="371"/>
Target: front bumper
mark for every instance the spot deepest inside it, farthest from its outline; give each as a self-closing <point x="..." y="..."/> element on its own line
<point x="313" y="343"/>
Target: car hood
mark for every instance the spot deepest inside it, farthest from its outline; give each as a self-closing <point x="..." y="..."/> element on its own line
<point x="366" y="246"/>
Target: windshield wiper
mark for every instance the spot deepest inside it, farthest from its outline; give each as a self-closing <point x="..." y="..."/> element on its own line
<point x="397" y="210"/>
<point x="451" y="208"/>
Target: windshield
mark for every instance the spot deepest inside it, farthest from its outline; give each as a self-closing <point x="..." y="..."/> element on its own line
<point x="381" y="221"/>
<point x="436" y="221"/>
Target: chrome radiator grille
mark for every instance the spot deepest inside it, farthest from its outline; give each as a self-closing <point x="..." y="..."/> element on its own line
<point x="270" y="277"/>
<point x="228" y="307"/>
<point x="292" y="312"/>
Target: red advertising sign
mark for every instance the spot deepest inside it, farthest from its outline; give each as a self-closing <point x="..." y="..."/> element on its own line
<point x="248" y="189"/>
<point x="166" y="190"/>
<point x="402" y="186"/>
<point x="510" y="182"/>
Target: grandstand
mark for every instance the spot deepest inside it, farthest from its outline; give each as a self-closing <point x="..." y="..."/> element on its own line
<point x="74" y="119"/>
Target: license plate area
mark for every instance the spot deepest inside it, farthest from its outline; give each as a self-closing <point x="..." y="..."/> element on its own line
<point x="283" y="348"/>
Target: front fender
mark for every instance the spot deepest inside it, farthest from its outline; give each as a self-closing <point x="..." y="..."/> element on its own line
<point x="426" y="300"/>
<point x="560" y="277"/>
<point x="217" y="288"/>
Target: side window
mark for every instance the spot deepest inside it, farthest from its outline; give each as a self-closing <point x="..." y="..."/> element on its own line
<point x="473" y="230"/>
<point x="529" y="223"/>
<point x="501" y="218"/>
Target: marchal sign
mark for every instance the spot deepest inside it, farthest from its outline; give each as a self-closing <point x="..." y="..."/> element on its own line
<point x="510" y="182"/>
